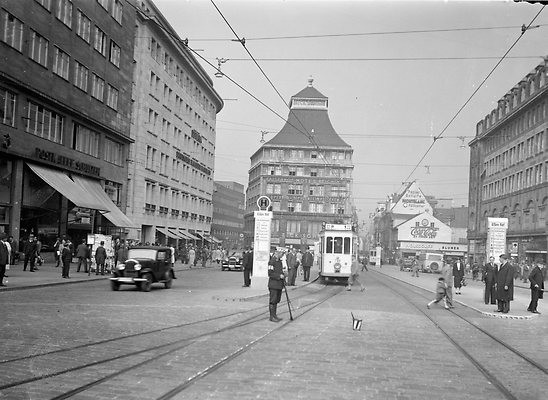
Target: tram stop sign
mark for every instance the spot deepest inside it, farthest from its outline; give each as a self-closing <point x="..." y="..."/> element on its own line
<point x="264" y="203"/>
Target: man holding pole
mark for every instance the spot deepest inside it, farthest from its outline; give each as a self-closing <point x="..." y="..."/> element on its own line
<point x="275" y="284"/>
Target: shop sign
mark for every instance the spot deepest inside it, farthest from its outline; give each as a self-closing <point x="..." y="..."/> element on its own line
<point x="424" y="228"/>
<point x="66" y="162"/>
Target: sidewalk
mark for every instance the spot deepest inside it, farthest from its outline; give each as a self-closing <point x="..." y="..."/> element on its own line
<point x="472" y="293"/>
<point x="49" y="275"/>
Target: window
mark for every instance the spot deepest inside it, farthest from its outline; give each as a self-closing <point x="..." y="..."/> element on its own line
<point x="83" y="26"/>
<point x="117" y="11"/>
<point x="64" y="12"/>
<point x="81" y="75"/>
<point x="7" y="107"/>
<point x="85" y="140"/>
<point x="292" y="171"/>
<point x="115" y="51"/>
<point x="114" y="192"/>
<point x="12" y="32"/>
<point x="45" y="3"/>
<point x="112" y="97"/>
<point x="313" y="172"/>
<point x="104" y="3"/>
<point x="100" y="42"/>
<point x="61" y="62"/>
<point x="313" y="155"/>
<point x="113" y="151"/>
<point x="38" y="49"/>
<point x="44" y="123"/>
<point x="97" y="87"/>
<point x="290" y="207"/>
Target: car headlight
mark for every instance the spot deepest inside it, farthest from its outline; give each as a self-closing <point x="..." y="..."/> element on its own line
<point x="121" y="266"/>
<point x="137" y="267"/>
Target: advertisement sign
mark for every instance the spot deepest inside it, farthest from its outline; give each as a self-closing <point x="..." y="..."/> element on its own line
<point x="424" y="228"/>
<point x="412" y="202"/>
<point x="261" y="243"/>
<point x="496" y="236"/>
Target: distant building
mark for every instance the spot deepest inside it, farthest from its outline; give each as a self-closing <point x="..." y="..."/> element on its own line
<point x="65" y="114"/>
<point x="227" y="226"/>
<point x="306" y="170"/>
<point x="509" y="170"/>
<point x="409" y="225"/>
<point x="174" y="115"/>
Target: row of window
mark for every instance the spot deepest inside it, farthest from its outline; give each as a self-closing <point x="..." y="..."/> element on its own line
<point x="165" y="198"/>
<point x="38" y="50"/>
<point x="50" y="125"/>
<point x="173" y="134"/>
<point x="280" y="170"/>
<point x="316" y="208"/>
<point x="310" y="229"/>
<point x="313" y="190"/>
<point x="176" y="103"/>
<point x="173" y="167"/>
<point x="527" y="148"/>
<point x="300" y="154"/>
<point x="63" y="9"/>
<point x="531" y="176"/>
<point x="182" y="78"/>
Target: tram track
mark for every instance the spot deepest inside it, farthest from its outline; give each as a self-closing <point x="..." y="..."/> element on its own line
<point x="180" y="343"/>
<point x="483" y="349"/>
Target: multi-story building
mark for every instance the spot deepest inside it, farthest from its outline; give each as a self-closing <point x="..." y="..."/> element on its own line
<point x="228" y="214"/>
<point x="173" y="126"/>
<point x="509" y="169"/>
<point x="306" y="170"/>
<point x="65" y="91"/>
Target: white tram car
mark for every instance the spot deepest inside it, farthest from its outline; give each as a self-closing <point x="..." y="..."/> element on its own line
<point x="338" y="242"/>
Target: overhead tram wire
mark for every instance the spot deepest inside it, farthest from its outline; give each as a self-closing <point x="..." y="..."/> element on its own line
<point x="318" y="59"/>
<point x="368" y="33"/>
<point x="242" y="42"/>
<point x="440" y="135"/>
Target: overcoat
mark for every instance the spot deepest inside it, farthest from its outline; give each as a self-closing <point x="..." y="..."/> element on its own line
<point x="275" y="270"/>
<point x="505" y="277"/>
<point x="4" y="259"/>
<point x="458" y="274"/>
<point x="488" y="275"/>
<point x="535" y="277"/>
<point x="308" y="259"/>
<point x="100" y="255"/>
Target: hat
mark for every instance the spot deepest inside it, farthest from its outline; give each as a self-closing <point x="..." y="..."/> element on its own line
<point x="503" y="256"/>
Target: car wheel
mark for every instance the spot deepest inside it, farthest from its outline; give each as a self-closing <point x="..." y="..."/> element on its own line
<point x="169" y="282"/>
<point x="114" y="286"/>
<point x="145" y="285"/>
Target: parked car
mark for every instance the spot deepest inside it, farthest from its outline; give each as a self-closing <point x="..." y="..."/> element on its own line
<point x="144" y="266"/>
<point x="233" y="262"/>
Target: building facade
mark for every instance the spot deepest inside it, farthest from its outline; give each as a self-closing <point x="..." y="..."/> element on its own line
<point x="509" y="169"/>
<point x="306" y="170"/>
<point x="173" y="127"/>
<point x="228" y="214"/>
<point x="65" y="91"/>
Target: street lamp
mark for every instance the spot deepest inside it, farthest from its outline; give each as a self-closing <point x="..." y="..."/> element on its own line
<point x="262" y="135"/>
<point x="220" y="61"/>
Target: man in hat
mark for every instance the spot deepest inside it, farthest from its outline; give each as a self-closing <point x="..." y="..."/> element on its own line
<point x="276" y="279"/>
<point x="537" y="288"/>
<point x="247" y="264"/>
<point x="4" y="258"/>
<point x="504" y="280"/>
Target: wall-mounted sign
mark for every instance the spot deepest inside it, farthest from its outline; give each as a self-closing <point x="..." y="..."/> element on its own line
<point x="67" y="162"/>
<point x="412" y="202"/>
<point x="424" y="228"/>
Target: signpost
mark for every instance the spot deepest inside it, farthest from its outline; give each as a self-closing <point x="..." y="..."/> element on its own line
<point x="496" y="237"/>
<point x="261" y="240"/>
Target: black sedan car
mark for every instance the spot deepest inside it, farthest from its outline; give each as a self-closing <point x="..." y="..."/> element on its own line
<point x="233" y="262"/>
<point x="144" y="266"/>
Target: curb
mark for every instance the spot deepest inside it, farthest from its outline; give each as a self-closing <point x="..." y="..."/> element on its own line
<point x="486" y="313"/>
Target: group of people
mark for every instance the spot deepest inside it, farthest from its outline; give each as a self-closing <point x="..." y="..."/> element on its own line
<point x="9" y="254"/>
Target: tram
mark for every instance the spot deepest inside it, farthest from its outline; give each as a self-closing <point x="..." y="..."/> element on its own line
<point x="338" y="242"/>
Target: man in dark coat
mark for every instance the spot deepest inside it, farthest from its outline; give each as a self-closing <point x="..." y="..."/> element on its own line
<point x="66" y="258"/>
<point x="30" y="251"/>
<point x="82" y="253"/>
<point x="4" y="258"/>
<point x="275" y="284"/>
<point x="488" y="277"/>
<point x="247" y="264"/>
<point x="291" y="260"/>
<point x="100" y="258"/>
<point x="537" y="288"/>
<point x="458" y="275"/>
<point x="308" y="260"/>
<point x="504" y="279"/>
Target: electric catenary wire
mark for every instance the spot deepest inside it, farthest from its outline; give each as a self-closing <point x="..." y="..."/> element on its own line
<point x="472" y="95"/>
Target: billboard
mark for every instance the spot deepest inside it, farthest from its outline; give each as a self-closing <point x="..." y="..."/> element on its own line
<point x="496" y="237"/>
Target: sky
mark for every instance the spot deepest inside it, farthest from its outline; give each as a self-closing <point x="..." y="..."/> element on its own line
<point x="397" y="74"/>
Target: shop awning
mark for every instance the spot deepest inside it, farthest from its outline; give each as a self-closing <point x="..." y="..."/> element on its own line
<point x="189" y="235"/>
<point x="166" y="232"/>
<point x="202" y="237"/>
<point x="95" y="191"/>
<point x="68" y="188"/>
<point x="176" y="233"/>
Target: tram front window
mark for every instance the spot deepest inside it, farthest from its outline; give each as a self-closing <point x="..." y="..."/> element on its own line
<point x="346" y="245"/>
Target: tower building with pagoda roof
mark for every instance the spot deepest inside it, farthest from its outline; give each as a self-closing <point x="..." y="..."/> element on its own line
<point x="306" y="170"/>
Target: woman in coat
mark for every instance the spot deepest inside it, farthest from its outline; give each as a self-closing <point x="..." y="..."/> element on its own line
<point x="458" y="275"/>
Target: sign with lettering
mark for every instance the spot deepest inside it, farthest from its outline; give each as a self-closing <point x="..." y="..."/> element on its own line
<point x="496" y="237"/>
<point x="412" y="202"/>
<point x="261" y="243"/>
<point x="66" y="162"/>
<point x="424" y="228"/>
<point x="192" y="162"/>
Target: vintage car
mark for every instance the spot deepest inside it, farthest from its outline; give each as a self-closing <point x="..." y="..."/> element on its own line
<point x="233" y="262"/>
<point x="144" y="266"/>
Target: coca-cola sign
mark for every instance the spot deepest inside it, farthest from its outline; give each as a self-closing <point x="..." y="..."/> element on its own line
<point x="424" y="230"/>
